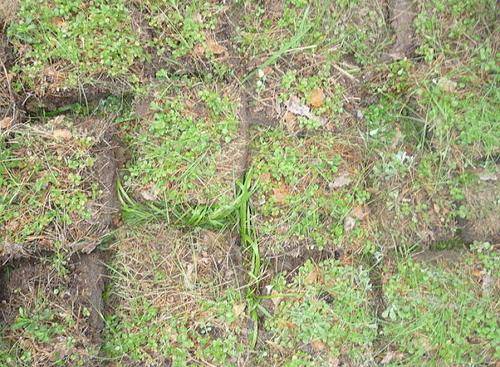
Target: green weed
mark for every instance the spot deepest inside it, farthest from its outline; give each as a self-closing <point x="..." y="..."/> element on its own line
<point x="73" y="43"/>
<point x="184" y="35"/>
<point x="45" y="182"/>
<point x="185" y="156"/>
<point x="312" y="27"/>
<point x="434" y="313"/>
<point x="295" y="202"/>
<point x="42" y="333"/>
<point x="326" y="308"/>
<point x="251" y="247"/>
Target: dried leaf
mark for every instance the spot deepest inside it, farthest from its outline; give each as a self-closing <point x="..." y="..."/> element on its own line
<point x="317" y="98"/>
<point x="293" y="105"/>
<point x="341" y="181"/>
<point x="297" y="108"/>
<point x="290" y="121"/>
<point x="360" y="212"/>
<point x="215" y="47"/>
<point x="280" y="194"/>
<point x="349" y="223"/>
<point x="239" y="309"/>
<point x="318" y="345"/>
<point x="63" y="134"/>
<point x="314" y="277"/>
<point x="199" y="50"/>
<point x="149" y="193"/>
<point x="59" y="22"/>
<point x="6" y="123"/>
<point x="391" y="356"/>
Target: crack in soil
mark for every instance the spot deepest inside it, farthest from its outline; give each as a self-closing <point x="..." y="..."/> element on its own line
<point x="377" y="301"/>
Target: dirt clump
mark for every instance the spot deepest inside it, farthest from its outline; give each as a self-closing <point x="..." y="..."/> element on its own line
<point x="54" y="315"/>
<point x="9" y="110"/>
<point x="481" y="200"/>
<point x="401" y="19"/>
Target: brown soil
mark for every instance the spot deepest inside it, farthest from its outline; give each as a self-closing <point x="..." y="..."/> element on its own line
<point x="107" y="206"/>
<point x="56" y="98"/>
<point x="440" y="256"/>
<point x="401" y="19"/>
<point x="481" y="197"/>
<point x="289" y="263"/>
<point x="87" y="283"/>
<point x="9" y="110"/>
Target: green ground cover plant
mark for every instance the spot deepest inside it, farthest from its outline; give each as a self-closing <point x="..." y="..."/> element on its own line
<point x="49" y="192"/>
<point x="305" y="190"/>
<point x="67" y="44"/>
<point x="440" y="315"/>
<point x="346" y="27"/>
<point x="322" y="316"/>
<point x="187" y="35"/>
<point x="301" y="183"/>
<point x="35" y="330"/>
<point x="184" y="307"/>
<point x="187" y="154"/>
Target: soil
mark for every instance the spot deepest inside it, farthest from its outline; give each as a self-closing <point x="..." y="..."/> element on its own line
<point x="107" y="207"/>
<point x="401" y="20"/>
<point x="9" y="111"/>
<point x="87" y="283"/>
<point x="56" y="97"/>
<point x="435" y="257"/>
<point x="481" y="197"/>
<point x="290" y="263"/>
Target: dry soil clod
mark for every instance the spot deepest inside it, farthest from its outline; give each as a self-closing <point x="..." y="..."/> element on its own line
<point x="67" y="307"/>
<point x="482" y="199"/>
<point x="401" y="14"/>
